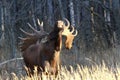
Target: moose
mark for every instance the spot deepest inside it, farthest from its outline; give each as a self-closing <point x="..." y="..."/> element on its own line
<point x="43" y="49"/>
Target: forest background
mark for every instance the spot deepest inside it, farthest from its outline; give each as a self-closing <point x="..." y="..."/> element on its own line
<point x="97" y="22"/>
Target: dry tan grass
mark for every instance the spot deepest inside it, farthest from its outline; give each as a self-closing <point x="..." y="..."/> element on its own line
<point x="80" y="73"/>
<point x="91" y="69"/>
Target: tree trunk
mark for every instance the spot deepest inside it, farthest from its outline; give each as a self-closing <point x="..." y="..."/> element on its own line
<point x="116" y="14"/>
<point x="86" y="26"/>
<point x="50" y="12"/>
<point x="72" y="13"/>
<point x="61" y="9"/>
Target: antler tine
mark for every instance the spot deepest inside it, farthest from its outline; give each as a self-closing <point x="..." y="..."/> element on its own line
<point x="29" y="34"/>
<point x="32" y="28"/>
<point x="72" y="29"/>
<point x="21" y="38"/>
<point x="68" y="23"/>
<point x="40" y="24"/>
<point x="76" y="32"/>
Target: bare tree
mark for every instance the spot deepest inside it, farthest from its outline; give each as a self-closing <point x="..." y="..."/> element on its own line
<point x="72" y="12"/>
<point x="116" y="17"/>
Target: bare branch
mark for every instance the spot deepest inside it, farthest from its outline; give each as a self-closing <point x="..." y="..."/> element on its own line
<point x="7" y="61"/>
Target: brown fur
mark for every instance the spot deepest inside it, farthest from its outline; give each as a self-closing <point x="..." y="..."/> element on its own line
<point x="46" y="55"/>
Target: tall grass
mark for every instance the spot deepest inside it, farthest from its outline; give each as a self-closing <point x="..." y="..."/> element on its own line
<point x="95" y="66"/>
<point x="78" y="73"/>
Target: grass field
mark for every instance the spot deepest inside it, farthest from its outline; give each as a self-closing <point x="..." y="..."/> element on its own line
<point x="78" y="73"/>
<point x="92" y="67"/>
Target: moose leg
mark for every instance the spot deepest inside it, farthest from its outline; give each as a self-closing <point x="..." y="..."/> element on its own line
<point x="58" y="67"/>
<point x="46" y="67"/>
<point x="29" y="70"/>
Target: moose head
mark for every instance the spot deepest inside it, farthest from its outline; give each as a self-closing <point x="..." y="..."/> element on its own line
<point x="67" y="33"/>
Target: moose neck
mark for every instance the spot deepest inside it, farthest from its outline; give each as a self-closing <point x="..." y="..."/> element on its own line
<point x="57" y="37"/>
<point x="58" y="43"/>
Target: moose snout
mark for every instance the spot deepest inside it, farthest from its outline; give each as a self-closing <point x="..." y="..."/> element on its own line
<point x="69" y="47"/>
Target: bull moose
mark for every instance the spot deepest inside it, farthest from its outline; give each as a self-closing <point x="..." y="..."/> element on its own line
<point x="43" y="49"/>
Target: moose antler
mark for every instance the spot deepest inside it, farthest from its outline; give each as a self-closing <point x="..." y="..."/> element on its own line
<point x="32" y="37"/>
<point x="67" y="30"/>
<point x="69" y="34"/>
<point x="36" y="32"/>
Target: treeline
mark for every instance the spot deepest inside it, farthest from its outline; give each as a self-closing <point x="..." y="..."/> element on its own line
<point x="97" y="21"/>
